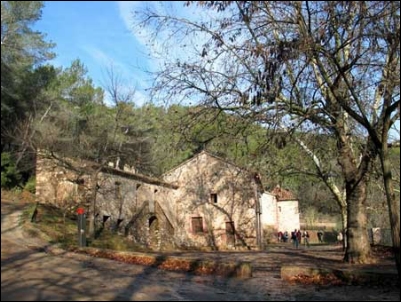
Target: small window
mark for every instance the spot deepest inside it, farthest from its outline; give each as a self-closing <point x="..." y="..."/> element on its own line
<point x="81" y="185"/>
<point x="105" y="217"/>
<point x="213" y="198"/>
<point x="279" y="209"/>
<point x="197" y="224"/>
<point x="117" y="191"/>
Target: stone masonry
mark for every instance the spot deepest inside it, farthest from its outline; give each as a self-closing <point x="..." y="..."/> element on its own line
<point x="206" y="202"/>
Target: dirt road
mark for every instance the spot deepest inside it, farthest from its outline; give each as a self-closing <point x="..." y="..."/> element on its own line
<point x="29" y="273"/>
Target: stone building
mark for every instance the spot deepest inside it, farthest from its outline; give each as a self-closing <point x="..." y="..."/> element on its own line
<point x="216" y="204"/>
<point x="128" y="203"/>
<point x="279" y="212"/>
<point x="205" y="202"/>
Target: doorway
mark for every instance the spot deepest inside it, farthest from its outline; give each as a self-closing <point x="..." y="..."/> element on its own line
<point x="154" y="233"/>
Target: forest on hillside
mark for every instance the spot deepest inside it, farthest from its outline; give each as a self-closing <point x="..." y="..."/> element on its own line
<point x="306" y="140"/>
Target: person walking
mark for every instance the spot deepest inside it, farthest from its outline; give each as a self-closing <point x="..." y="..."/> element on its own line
<point x="340" y="238"/>
<point x="294" y="238"/>
<point x="280" y="236"/>
<point x="320" y="236"/>
<point x="298" y="237"/>
<point x="305" y="235"/>
<point x="285" y="236"/>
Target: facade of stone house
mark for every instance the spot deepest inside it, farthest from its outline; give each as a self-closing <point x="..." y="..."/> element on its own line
<point x="128" y="203"/>
<point x="135" y="206"/>
<point x="205" y="202"/>
<point x="279" y="212"/>
<point x="216" y="205"/>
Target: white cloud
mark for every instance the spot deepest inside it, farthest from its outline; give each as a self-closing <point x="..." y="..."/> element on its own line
<point x="129" y="80"/>
<point x="98" y="55"/>
<point x="125" y="9"/>
<point x="143" y="35"/>
<point x="140" y="98"/>
<point x="106" y="61"/>
<point x="166" y="46"/>
<point x="161" y="41"/>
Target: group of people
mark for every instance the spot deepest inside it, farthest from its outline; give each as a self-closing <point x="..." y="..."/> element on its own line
<point x="282" y="237"/>
<point x="296" y="237"/>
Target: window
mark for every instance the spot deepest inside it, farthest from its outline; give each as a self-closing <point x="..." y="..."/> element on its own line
<point x="81" y="186"/>
<point x="197" y="224"/>
<point x="117" y="191"/>
<point x="119" y="222"/>
<point x="213" y="198"/>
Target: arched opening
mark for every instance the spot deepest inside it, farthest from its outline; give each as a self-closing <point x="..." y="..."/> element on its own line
<point x="154" y="233"/>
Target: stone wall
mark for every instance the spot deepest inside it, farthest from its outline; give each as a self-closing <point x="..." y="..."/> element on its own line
<point x="125" y="202"/>
<point x="220" y="197"/>
<point x="204" y="202"/>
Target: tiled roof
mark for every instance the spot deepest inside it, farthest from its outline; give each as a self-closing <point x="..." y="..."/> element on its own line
<point x="282" y="194"/>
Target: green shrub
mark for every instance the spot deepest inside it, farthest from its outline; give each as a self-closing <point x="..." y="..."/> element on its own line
<point x="30" y="185"/>
<point x="112" y="241"/>
<point x="10" y="177"/>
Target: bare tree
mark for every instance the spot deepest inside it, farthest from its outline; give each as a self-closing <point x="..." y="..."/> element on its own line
<point x="83" y="130"/>
<point x="330" y="67"/>
<point x="328" y="177"/>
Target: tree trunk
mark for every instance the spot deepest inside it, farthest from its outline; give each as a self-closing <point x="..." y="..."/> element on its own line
<point x="92" y="210"/>
<point x="340" y="197"/>
<point x="358" y="245"/>
<point x="356" y="172"/>
<point x="393" y="207"/>
<point x="344" y="218"/>
<point x="91" y="230"/>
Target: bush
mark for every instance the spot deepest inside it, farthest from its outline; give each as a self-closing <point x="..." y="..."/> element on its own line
<point x="30" y="185"/>
<point x="10" y="177"/>
<point x="112" y="241"/>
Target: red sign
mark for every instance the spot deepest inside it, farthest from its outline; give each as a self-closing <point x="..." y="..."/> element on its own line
<point x="80" y="211"/>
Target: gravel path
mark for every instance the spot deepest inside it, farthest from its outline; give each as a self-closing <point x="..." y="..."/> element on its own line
<point x="29" y="273"/>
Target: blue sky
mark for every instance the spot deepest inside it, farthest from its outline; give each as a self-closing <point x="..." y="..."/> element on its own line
<point x="100" y="34"/>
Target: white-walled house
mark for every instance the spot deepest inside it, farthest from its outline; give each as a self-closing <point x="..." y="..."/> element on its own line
<point x="279" y="211"/>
